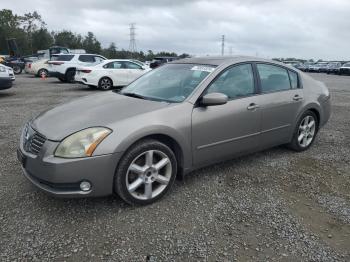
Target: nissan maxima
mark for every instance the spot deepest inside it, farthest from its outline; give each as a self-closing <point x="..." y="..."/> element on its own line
<point x="179" y="117"/>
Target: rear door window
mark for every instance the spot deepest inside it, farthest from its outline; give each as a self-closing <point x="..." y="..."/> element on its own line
<point x="130" y="65"/>
<point x="87" y="58"/>
<point x="114" y="65"/>
<point x="293" y="79"/>
<point x="273" y="78"/>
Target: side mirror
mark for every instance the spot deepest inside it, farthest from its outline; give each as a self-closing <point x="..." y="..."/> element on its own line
<point x="214" y="99"/>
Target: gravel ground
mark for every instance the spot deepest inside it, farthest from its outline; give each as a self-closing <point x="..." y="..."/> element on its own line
<point x="276" y="205"/>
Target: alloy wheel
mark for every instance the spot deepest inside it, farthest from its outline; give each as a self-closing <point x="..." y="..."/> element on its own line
<point x="106" y="84"/>
<point x="148" y="175"/>
<point x="306" y="131"/>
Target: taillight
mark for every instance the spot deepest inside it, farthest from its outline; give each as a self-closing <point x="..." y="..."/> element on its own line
<point x="29" y="65"/>
<point x="86" y="71"/>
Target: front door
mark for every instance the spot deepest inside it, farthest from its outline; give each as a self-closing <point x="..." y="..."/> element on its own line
<point x="221" y="132"/>
<point x="134" y="70"/>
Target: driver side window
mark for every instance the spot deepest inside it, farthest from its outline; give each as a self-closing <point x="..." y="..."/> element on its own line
<point x="235" y="82"/>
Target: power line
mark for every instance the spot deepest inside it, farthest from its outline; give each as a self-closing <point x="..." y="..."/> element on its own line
<point x="132" y="44"/>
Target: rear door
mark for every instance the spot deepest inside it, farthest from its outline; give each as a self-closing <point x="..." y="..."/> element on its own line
<point x="280" y="101"/>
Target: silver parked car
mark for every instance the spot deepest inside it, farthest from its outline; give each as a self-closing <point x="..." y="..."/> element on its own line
<point x="184" y="115"/>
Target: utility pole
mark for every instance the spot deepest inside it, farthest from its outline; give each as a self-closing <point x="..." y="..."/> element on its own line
<point x="132" y="44"/>
<point x="222" y="45"/>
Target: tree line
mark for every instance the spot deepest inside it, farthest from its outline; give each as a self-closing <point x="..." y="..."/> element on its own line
<point x="31" y="34"/>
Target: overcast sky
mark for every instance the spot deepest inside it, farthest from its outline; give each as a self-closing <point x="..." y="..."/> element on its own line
<point x="267" y="28"/>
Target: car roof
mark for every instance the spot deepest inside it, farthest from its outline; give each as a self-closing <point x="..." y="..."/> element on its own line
<point x="221" y="60"/>
<point x="73" y="54"/>
<point x="116" y="60"/>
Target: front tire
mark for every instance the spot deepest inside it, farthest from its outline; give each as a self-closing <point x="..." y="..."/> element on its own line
<point x="105" y="84"/>
<point x="305" y="132"/>
<point x="145" y="173"/>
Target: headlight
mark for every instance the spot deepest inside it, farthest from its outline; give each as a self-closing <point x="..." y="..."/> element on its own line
<point x="2" y="69"/>
<point x="82" y="143"/>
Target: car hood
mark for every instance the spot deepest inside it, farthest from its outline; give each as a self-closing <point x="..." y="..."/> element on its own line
<point x="90" y="111"/>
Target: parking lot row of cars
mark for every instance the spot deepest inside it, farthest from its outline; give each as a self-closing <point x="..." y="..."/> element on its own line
<point x="92" y="70"/>
<point x="339" y="68"/>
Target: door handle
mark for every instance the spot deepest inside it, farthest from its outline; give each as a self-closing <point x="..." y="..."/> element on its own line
<point x="297" y="98"/>
<point x="252" y="106"/>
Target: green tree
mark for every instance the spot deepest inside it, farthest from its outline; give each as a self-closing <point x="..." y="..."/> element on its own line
<point x="9" y="28"/>
<point x="41" y="39"/>
<point x="91" y="44"/>
<point x="31" y="23"/>
<point x="68" y="39"/>
<point x="111" y="52"/>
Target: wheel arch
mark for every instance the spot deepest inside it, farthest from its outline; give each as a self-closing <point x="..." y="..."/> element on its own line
<point x="70" y="68"/>
<point x="317" y="113"/>
<point x="169" y="141"/>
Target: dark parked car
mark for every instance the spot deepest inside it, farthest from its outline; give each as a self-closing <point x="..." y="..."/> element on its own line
<point x="345" y="69"/>
<point x="158" y="61"/>
<point x="17" y="64"/>
<point x="177" y="118"/>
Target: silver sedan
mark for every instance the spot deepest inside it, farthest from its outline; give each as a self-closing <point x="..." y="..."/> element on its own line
<point x="184" y="115"/>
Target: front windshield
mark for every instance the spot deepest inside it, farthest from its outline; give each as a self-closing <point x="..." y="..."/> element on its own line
<point x="170" y="83"/>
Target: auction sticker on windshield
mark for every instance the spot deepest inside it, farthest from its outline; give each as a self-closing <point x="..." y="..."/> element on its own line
<point x="203" y="68"/>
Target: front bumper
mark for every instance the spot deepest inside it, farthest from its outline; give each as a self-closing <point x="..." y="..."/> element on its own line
<point x="62" y="177"/>
<point x="345" y="71"/>
<point x="5" y="82"/>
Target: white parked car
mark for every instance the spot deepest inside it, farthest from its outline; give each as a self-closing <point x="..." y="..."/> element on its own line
<point x="110" y="73"/>
<point x="6" y="77"/>
<point x="63" y="66"/>
<point x="38" y="68"/>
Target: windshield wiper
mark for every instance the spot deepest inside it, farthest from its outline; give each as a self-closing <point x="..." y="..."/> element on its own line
<point x="133" y="95"/>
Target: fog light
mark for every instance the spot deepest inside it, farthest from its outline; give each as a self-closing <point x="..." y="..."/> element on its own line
<point x="85" y="186"/>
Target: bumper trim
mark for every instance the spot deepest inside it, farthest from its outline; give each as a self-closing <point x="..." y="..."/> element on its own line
<point x="49" y="187"/>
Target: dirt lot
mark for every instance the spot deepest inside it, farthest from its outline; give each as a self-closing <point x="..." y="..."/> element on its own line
<point x="276" y="205"/>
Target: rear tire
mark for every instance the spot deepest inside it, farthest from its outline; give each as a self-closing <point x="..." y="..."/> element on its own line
<point x="62" y="79"/>
<point x="145" y="173"/>
<point x="305" y="132"/>
<point x="17" y="69"/>
<point x="43" y="73"/>
<point x="70" y="76"/>
<point x="105" y="84"/>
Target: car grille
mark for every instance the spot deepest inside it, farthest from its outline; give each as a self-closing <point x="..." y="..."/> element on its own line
<point x="33" y="141"/>
<point x="37" y="143"/>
